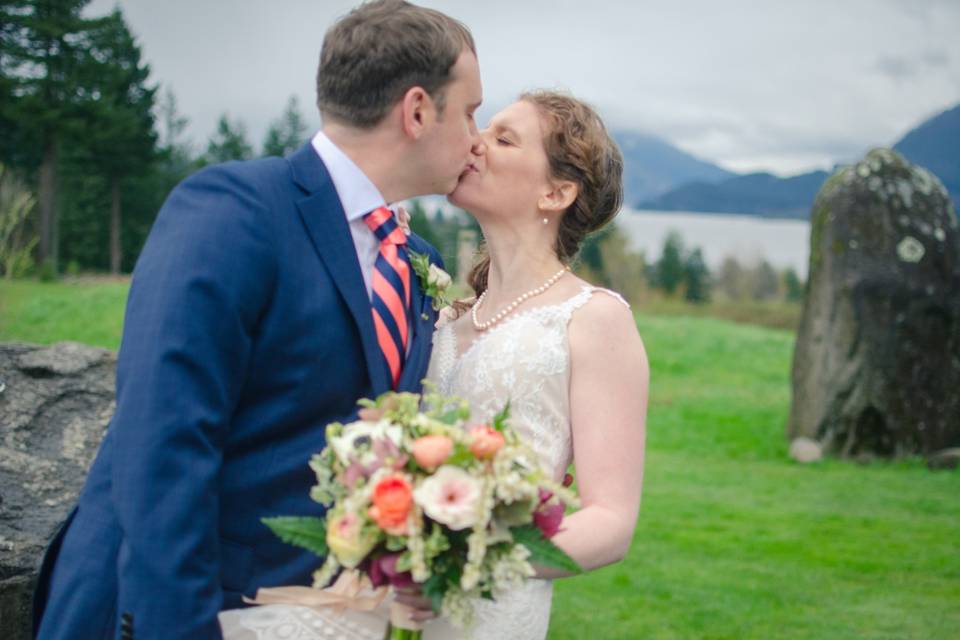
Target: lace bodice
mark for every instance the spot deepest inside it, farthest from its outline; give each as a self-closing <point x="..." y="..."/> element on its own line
<point x="524" y="360"/>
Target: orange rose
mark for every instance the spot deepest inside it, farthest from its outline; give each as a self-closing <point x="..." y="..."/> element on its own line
<point x="432" y="451"/>
<point x="486" y="441"/>
<point x="392" y="500"/>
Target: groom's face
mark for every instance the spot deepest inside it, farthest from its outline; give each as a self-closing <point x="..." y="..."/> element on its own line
<point x="448" y="144"/>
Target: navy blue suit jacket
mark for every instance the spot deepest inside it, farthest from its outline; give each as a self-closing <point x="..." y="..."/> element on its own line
<point x="248" y="328"/>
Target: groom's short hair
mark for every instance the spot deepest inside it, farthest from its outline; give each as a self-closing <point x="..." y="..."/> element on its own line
<point x="372" y="56"/>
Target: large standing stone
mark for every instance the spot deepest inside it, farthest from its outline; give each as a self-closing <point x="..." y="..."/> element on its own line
<point x="876" y="367"/>
<point x="54" y="407"/>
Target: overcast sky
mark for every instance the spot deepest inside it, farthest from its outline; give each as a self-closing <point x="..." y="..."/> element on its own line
<point x="778" y="85"/>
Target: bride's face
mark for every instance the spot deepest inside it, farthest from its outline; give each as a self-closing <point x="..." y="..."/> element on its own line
<point x="510" y="169"/>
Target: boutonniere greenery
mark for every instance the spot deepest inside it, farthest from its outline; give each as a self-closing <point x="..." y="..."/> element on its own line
<point x="434" y="281"/>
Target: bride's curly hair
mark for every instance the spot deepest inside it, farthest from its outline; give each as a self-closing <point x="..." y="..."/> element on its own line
<point x="580" y="149"/>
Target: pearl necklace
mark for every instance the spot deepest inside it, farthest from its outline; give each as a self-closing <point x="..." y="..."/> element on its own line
<point x="483" y="326"/>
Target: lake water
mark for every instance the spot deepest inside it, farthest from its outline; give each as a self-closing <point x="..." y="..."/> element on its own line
<point x="783" y="243"/>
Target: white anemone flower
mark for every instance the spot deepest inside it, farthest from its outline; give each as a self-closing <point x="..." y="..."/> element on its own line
<point x="451" y="496"/>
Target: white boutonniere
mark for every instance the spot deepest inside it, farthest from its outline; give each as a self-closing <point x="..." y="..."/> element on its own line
<point x="434" y="281"/>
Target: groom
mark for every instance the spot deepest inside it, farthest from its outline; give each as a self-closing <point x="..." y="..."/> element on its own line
<point x="252" y="322"/>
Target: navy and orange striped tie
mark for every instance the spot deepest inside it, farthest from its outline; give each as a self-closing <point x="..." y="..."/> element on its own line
<point x="391" y="290"/>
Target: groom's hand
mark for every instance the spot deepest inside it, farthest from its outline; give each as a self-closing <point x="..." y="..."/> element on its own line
<point x="422" y="607"/>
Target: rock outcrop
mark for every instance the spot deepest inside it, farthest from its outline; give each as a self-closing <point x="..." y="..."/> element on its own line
<point x="876" y="365"/>
<point x="54" y="407"/>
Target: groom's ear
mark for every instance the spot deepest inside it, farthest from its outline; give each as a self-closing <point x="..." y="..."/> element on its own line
<point x="417" y="109"/>
<point x="561" y="196"/>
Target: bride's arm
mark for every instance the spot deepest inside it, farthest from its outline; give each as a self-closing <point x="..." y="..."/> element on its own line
<point x="608" y="403"/>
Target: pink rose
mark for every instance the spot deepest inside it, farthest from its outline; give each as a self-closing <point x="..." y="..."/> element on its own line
<point x="548" y="515"/>
<point x="486" y="441"/>
<point x="432" y="451"/>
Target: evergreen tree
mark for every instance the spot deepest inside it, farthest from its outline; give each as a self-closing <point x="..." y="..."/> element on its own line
<point x="670" y="266"/>
<point x="41" y="49"/>
<point x="591" y="257"/>
<point x="229" y="142"/>
<point x="421" y="224"/>
<point x="121" y="141"/>
<point x="793" y="286"/>
<point x="285" y="134"/>
<point x="175" y="154"/>
<point x="696" y="276"/>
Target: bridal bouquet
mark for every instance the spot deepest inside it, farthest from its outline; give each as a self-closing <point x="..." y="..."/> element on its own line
<point x="426" y="497"/>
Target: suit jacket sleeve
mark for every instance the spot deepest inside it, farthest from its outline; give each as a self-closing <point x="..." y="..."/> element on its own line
<point x="202" y="282"/>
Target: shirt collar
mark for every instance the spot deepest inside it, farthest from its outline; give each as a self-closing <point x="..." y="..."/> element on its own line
<point x="357" y="193"/>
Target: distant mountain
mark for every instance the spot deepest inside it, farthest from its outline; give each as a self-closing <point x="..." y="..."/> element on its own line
<point x="653" y="166"/>
<point x="935" y="144"/>
<point x="761" y="194"/>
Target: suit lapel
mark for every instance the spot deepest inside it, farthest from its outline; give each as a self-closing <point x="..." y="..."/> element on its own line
<point x="326" y="223"/>
<point x="415" y="368"/>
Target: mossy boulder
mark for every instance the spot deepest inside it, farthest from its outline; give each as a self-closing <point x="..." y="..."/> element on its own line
<point x="876" y="365"/>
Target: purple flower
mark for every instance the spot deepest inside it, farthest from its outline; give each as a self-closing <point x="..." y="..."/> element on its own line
<point x="388" y="455"/>
<point x="383" y="570"/>
<point x="548" y="515"/>
<point x="352" y="473"/>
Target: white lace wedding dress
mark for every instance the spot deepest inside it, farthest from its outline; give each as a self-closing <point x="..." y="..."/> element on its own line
<point x="525" y="359"/>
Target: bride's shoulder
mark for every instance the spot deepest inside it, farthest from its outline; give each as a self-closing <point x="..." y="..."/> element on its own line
<point x="604" y="322"/>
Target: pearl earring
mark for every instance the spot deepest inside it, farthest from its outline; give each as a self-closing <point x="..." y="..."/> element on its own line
<point x="546" y="221"/>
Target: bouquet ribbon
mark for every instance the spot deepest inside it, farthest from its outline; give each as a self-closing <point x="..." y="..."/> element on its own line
<point x="350" y="591"/>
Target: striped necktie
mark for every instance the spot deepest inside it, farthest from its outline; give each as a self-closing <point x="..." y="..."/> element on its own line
<point x="391" y="290"/>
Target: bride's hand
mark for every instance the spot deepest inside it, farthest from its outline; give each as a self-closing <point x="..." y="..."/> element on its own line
<point x="421" y="606"/>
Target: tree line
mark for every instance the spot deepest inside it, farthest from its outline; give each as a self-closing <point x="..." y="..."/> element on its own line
<point x="607" y="259"/>
<point x="89" y="145"/>
<point x="681" y="272"/>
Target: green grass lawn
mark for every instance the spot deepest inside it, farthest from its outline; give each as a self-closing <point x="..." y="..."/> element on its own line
<point x="89" y="311"/>
<point x="734" y="541"/>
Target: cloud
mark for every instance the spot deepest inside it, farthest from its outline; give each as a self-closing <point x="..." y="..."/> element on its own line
<point x="905" y="67"/>
<point x="765" y="85"/>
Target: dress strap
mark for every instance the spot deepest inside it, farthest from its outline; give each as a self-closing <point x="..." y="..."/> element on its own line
<point x="583" y="297"/>
<point x="614" y="294"/>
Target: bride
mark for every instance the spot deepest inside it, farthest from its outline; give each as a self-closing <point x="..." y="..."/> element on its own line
<point x="566" y="355"/>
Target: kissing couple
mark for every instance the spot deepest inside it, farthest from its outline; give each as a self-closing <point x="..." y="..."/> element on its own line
<point x="272" y="294"/>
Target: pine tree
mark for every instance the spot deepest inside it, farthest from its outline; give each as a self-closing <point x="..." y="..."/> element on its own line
<point x="121" y="139"/>
<point x="41" y="50"/>
<point x="670" y="266"/>
<point x="176" y="154"/>
<point x="285" y="134"/>
<point x="421" y="224"/>
<point x="793" y="286"/>
<point x="229" y="142"/>
<point x="696" y="276"/>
